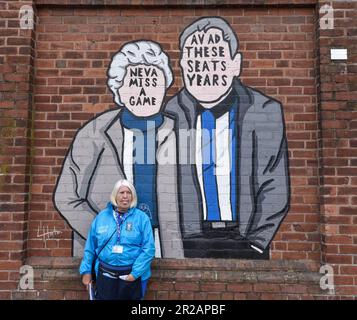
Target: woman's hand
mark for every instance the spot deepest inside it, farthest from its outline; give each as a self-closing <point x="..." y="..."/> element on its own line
<point x="130" y="278"/>
<point x="87" y="279"/>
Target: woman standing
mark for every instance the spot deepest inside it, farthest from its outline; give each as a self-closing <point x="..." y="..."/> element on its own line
<point x="121" y="235"/>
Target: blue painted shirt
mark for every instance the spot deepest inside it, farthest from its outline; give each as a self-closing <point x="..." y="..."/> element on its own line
<point x="144" y="160"/>
<point x="217" y="148"/>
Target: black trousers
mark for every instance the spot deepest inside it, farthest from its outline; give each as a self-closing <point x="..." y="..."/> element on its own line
<point x="111" y="287"/>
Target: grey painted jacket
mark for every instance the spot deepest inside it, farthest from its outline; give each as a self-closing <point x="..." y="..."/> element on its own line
<point x="263" y="173"/>
<point x="94" y="163"/>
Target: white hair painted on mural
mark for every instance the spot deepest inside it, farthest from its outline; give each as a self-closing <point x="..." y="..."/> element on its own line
<point x="133" y="53"/>
<point x="124" y="183"/>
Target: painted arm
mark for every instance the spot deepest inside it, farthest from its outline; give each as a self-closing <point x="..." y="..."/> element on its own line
<point x="168" y="206"/>
<point x="268" y="176"/>
<point x="72" y="193"/>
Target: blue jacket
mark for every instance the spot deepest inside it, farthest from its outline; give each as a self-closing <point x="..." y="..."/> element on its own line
<point x="136" y="238"/>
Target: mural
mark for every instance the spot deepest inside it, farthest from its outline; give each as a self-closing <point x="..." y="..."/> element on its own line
<point x="210" y="168"/>
<point x="125" y="143"/>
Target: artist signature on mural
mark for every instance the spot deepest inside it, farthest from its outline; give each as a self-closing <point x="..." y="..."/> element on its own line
<point x="46" y="233"/>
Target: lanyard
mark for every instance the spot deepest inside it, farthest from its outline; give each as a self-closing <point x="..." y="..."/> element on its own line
<point x="119" y="219"/>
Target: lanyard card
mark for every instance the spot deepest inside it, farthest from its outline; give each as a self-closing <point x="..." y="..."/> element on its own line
<point x="118" y="249"/>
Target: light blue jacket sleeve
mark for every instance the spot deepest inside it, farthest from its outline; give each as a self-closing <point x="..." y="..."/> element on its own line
<point x="143" y="261"/>
<point x="89" y="251"/>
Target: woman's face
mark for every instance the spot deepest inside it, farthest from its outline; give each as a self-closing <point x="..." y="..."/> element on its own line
<point x="124" y="198"/>
<point x="143" y="90"/>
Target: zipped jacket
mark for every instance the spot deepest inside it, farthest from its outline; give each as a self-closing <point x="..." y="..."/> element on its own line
<point x="136" y="240"/>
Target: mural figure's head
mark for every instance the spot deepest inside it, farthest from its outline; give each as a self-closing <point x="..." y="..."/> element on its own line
<point x="209" y="59"/>
<point x="123" y="195"/>
<point x="139" y="76"/>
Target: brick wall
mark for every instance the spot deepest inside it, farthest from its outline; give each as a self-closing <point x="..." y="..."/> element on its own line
<point x="53" y="80"/>
<point x="16" y="102"/>
<point x="191" y="279"/>
<point x="338" y="96"/>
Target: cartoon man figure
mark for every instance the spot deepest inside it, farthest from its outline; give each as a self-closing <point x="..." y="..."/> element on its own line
<point x="135" y="141"/>
<point x="233" y="166"/>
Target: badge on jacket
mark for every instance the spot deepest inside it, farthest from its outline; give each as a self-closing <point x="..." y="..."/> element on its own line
<point x="129" y="226"/>
<point x="118" y="249"/>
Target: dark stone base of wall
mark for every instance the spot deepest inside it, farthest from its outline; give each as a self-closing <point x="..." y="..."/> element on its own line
<point x="194" y="279"/>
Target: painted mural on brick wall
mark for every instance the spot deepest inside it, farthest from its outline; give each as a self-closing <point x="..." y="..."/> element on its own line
<point x="210" y="166"/>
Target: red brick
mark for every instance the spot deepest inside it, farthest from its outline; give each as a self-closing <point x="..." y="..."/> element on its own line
<point x="348" y="229"/>
<point x="213" y="287"/>
<point x="241" y="287"/>
<point x="266" y="287"/>
<point x="161" y="286"/>
<point x="348" y="210"/>
<point x="186" y="286"/>
<point x="347" y="290"/>
<point x="342" y="259"/>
